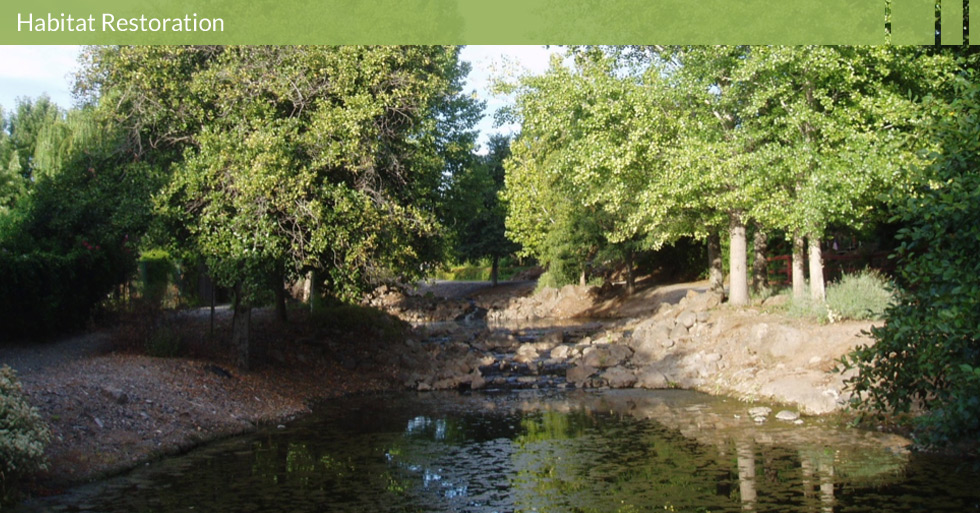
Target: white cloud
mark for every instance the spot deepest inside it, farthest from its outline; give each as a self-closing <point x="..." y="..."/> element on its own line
<point x="35" y="70"/>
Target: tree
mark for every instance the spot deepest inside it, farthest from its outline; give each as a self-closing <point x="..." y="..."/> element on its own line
<point x="62" y="257"/>
<point x="477" y="211"/>
<point x="832" y="126"/>
<point x="927" y="354"/>
<point x="287" y="160"/>
<point x="591" y="139"/>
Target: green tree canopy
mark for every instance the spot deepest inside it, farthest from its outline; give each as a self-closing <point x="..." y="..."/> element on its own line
<point x="286" y="160"/>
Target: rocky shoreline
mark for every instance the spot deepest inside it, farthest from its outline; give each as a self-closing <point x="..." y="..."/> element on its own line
<point x="110" y="412"/>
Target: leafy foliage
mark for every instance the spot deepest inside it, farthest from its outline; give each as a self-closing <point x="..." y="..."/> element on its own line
<point x="863" y="295"/>
<point x="62" y="257"/>
<point x="23" y="434"/>
<point x="476" y="211"/>
<point x="925" y="358"/>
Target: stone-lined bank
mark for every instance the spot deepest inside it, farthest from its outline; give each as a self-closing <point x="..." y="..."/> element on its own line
<point x="695" y="344"/>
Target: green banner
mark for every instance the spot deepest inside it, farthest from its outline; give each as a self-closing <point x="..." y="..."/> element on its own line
<point x="443" y="21"/>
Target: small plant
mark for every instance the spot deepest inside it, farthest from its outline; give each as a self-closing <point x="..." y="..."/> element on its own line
<point x="23" y="435"/>
<point x="864" y="295"/>
<point x="164" y="342"/>
<point x="809" y="309"/>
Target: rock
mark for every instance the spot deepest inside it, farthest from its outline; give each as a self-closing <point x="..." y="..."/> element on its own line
<point x="760" y="411"/>
<point x="803" y="390"/>
<point x="477" y="381"/>
<point x="578" y="374"/>
<point x="704" y="301"/>
<point x="687" y="318"/>
<point x="619" y="377"/>
<point x="679" y="332"/>
<point x="652" y="379"/>
<point x="116" y="395"/>
<point x="776" y="301"/>
<point x="649" y="331"/>
<point x="703" y="317"/>
<point x="606" y="355"/>
<point x="529" y="350"/>
<point x="787" y="415"/>
<point x="646" y="352"/>
<point x="712" y="357"/>
<point x="561" y="352"/>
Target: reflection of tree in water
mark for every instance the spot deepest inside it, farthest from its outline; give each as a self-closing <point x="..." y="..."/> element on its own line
<point x="581" y="462"/>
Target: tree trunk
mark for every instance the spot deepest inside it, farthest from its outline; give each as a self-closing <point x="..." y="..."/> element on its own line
<point x="760" y="267"/>
<point x="240" y="326"/>
<point x="799" y="277"/>
<point x="716" y="273"/>
<point x="817" y="291"/>
<point x="279" y="288"/>
<point x="211" y="327"/>
<point x="630" y="277"/>
<point x="738" y="282"/>
<point x="494" y="270"/>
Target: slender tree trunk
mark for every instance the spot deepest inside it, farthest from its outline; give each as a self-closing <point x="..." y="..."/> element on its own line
<point x="278" y="284"/>
<point x="495" y="270"/>
<point x="760" y="267"/>
<point x="799" y="277"/>
<point x="240" y="326"/>
<point x="213" y="292"/>
<point x="738" y="286"/>
<point x="630" y="277"/>
<point x="716" y="273"/>
<point x="817" y="291"/>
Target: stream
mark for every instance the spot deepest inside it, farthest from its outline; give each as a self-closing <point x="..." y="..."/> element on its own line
<point x="539" y="451"/>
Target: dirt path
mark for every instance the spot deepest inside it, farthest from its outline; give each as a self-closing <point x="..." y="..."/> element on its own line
<point x="30" y="358"/>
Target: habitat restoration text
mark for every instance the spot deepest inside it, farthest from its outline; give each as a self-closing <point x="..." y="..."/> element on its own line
<point x="111" y="23"/>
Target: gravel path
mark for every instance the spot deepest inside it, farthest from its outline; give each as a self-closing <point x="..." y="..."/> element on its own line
<point x="27" y="358"/>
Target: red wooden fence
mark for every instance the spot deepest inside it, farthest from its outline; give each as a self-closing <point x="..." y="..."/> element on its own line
<point x="834" y="265"/>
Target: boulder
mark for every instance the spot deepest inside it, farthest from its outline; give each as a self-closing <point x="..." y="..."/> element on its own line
<point x="619" y="377"/>
<point x="561" y="352"/>
<point x="605" y="355"/>
<point x="687" y="318"/>
<point x="651" y="378"/>
<point x="678" y="332"/>
<point x="579" y="374"/>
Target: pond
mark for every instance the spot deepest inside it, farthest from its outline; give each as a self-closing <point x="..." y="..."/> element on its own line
<point x="539" y="451"/>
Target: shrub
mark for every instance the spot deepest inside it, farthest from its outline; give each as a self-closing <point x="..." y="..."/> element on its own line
<point x="864" y="295"/>
<point x="342" y="318"/>
<point x="164" y="342"/>
<point x="925" y="357"/>
<point x="23" y="435"/>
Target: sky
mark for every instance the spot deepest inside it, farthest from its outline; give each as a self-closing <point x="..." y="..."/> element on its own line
<point x="34" y="70"/>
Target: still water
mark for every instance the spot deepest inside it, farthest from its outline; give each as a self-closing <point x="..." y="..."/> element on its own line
<point x="535" y="451"/>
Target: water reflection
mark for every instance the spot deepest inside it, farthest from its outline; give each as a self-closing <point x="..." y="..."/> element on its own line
<point x="618" y="451"/>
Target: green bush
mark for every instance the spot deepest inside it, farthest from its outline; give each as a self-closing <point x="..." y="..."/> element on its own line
<point x="925" y="358"/>
<point x="342" y="318"/>
<point x="164" y="342"/>
<point x="23" y="435"/>
<point x="807" y="308"/>
<point x="864" y="295"/>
